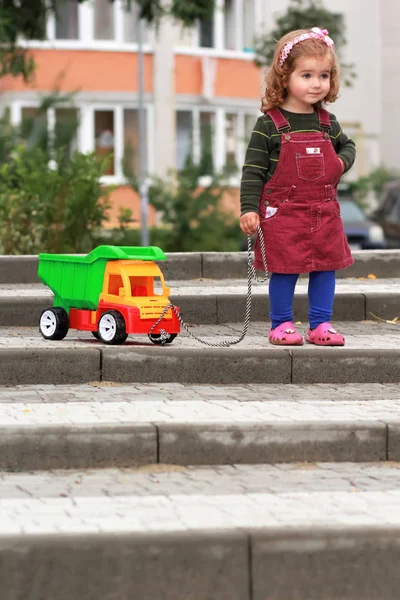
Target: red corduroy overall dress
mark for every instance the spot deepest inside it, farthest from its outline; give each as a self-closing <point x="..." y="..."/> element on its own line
<point x="299" y="212"/>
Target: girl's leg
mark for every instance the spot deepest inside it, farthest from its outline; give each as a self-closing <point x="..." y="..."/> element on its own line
<point x="281" y="292"/>
<point x="321" y="293"/>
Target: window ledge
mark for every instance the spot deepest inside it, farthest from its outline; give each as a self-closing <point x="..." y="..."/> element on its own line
<point x="101" y="46"/>
<point x="215" y="53"/>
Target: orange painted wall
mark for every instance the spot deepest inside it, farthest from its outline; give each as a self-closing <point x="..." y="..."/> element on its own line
<point x="125" y="197"/>
<point x="84" y="70"/>
<point x="233" y="78"/>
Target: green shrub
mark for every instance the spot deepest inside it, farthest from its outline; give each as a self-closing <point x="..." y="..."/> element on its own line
<point x="50" y="207"/>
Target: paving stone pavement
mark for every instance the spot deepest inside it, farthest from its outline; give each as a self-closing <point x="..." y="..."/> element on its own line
<point x="109" y="391"/>
<point x="361" y="335"/>
<point x="204" y="286"/>
<point x="166" y="480"/>
<point x="196" y="512"/>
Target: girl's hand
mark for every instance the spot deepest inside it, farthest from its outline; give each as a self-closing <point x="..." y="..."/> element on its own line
<point x="249" y="223"/>
<point x="342" y="163"/>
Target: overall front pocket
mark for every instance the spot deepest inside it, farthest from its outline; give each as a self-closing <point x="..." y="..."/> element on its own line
<point x="310" y="167"/>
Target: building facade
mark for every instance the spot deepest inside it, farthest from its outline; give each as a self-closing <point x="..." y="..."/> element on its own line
<point x="196" y="81"/>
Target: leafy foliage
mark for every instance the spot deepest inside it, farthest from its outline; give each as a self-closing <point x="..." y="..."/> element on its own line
<point x="191" y="212"/>
<point x="304" y="14"/>
<point x="45" y="209"/>
<point x="27" y="19"/>
<point x="50" y="198"/>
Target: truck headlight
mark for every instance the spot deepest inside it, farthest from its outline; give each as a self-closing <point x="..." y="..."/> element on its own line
<point x="376" y="233"/>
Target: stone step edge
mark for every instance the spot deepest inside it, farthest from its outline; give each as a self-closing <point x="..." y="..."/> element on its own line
<point x="55" y="365"/>
<point x="213" y="265"/>
<point x="222" y="308"/>
<point x="92" y="445"/>
<point x="231" y="547"/>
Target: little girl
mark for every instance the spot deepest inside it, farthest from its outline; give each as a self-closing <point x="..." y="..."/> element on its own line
<point x="294" y="161"/>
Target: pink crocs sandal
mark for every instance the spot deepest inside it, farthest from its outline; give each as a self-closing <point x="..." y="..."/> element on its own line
<point x="285" y="335"/>
<point x="324" y="335"/>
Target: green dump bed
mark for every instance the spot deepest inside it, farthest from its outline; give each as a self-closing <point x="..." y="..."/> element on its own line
<point x="77" y="281"/>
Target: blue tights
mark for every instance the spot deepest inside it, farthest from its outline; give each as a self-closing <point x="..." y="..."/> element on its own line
<point x="321" y="292"/>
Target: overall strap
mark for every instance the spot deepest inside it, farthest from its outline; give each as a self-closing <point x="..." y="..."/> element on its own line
<point x="279" y="120"/>
<point x="324" y="119"/>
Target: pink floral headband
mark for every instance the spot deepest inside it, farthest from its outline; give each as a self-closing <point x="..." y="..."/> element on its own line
<point x="316" y="33"/>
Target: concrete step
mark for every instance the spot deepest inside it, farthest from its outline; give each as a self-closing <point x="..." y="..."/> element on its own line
<point x="213" y="265"/>
<point x="215" y="301"/>
<point x="371" y="354"/>
<point x="97" y="425"/>
<point x="290" y="531"/>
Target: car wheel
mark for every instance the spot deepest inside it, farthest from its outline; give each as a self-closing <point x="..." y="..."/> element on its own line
<point x="53" y="323"/>
<point x="112" y="328"/>
<point x="156" y="338"/>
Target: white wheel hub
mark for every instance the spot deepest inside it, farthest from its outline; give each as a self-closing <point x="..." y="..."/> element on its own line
<point x="107" y="328"/>
<point x="48" y="323"/>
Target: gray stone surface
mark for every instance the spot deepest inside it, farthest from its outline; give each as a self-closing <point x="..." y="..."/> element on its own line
<point x="175" y="566"/>
<point x="21" y="312"/>
<point x="74" y="446"/>
<point x="182" y="265"/>
<point x="361" y="564"/>
<point x="218" y="265"/>
<point x="221" y="480"/>
<point x="272" y="443"/>
<point x="214" y="365"/>
<point x="212" y="301"/>
<point x="349" y="366"/>
<point x="208" y="431"/>
<point x="44" y="365"/>
<point x="371" y="354"/>
<point x="19" y="269"/>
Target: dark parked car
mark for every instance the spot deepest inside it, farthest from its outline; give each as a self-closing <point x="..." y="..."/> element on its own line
<point x="361" y="232"/>
<point x="388" y="214"/>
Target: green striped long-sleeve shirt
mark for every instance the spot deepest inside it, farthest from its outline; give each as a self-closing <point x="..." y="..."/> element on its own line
<point x="264" y="147"/>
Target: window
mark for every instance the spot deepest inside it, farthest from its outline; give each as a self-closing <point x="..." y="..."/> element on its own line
<point x="103" y="20"/>
<point x="249" y="20"/>
<point x="233" y="26"/>
<point x="184" y="138"/>
<point x="104" y="137"/>
<point x="249" y="122"/>
<point x="132" y="141"/>
<point x="207" y="125"/>
<point x="65" y="128"/>
<point x="114" y="284"/>
<point x="67" y="20"/>
<point x="231" y="141"/>
<point x="34" y="126"/>
<point x="207" y="33"/>
<point x="230" y="25"/>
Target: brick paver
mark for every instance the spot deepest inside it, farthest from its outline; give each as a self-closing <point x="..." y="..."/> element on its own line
<point x="359" y="335"/>
<point x="161" y="514"/>
<point x="225" y="286"/>
<point x="107" y="391"/>
<point x="166" y="480"/>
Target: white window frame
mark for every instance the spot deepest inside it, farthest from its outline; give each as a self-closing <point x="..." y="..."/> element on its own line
<point x="86" y="131"/>
<point x="219" y="140"/>
<point x="219" y="51"/>
<point x="86" y="39"/>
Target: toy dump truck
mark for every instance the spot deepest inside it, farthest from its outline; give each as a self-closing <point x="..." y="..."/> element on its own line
<point x="114" y="291"/>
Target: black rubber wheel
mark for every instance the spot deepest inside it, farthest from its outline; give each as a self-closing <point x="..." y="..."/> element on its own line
<point x="112" y="328"/>
<point x="54" y="323"/>
<point x="156" y="338"/>
<point x="96" y="335"/>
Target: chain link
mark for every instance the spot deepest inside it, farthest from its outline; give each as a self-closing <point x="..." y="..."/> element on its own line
<point x="251" y="274"/>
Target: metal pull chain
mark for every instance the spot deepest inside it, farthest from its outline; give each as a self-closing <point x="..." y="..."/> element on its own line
<point x="251" y="273"/>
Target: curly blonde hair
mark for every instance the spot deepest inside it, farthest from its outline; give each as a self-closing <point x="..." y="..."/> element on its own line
<point x="278" y="76"/>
